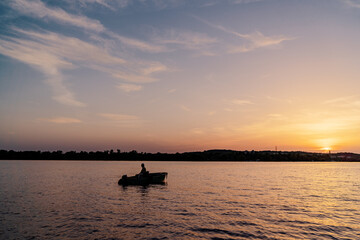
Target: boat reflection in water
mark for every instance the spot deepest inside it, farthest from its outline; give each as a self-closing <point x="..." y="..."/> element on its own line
<point x="144" y="179"/>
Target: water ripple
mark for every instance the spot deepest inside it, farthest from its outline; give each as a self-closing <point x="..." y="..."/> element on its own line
<point x="81" y="200"/>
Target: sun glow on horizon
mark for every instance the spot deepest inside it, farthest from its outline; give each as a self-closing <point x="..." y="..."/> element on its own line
<point x="326" y="148"/>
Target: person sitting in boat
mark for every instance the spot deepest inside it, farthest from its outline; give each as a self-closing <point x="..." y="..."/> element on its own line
<point x="142" y="176"/>
<point x="143" y="169"/>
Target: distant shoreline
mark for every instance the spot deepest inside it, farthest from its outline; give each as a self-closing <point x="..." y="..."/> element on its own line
<point x="204" y="156"/>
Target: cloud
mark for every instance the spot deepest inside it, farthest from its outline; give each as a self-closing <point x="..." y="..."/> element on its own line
<point x="211" y="113"/>
<point x="154" y="68"/>
<point x="236" y="102"/>
<point x="186" y="39"/>
<point x="51" y="53"/>
<point x="119" y="117"/>
<point x="154" y="4"/>
<point x="126" y="87"/>
<point x="139" y="45"/>
<point x="327" y="125"/>
<point x="197" y="131"/>
<point x="276" y="116"/>
<point x="254" y="40"/>
<point x="241" y="102"/>
<point x="61" y="120"/>
<point x="160" y="4"/>
<point x="135" y="78"/>
<point x="348" y="101"/>
<point x="257" y="40"/>
<point x="185" y="108"/>
<point x="279" y="99"/>
<point x="62" y="94"/>
<point x="337" y="100"/>
<point x="29" y="53"/>
<point x="206" y="53"/>
<point x="132" y="73"/>
<point x="244" y="1"/>
<point x="121" y="3"/>
<point x="352" y="3"/>
<point x="38" y="9"/>
<point x="215" y="2"/>
<point x="71" y="48"/>
<point x="122" y="120"/>
<point x="103" y="3"/>
<point x="142" y="73"/>
<point x="210" y="3"/>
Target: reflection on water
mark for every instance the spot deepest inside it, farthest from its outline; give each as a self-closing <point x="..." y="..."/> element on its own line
<point x="81" y="200"/>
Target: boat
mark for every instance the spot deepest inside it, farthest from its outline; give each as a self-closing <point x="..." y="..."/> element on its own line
<point x="144" y="179"/>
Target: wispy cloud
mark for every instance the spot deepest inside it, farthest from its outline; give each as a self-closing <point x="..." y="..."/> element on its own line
<point x="210" y="3"/>
<point x="103" y="3"/>
<point x="327" y="125"/>
<point x="244" y="1"/>
<point x="126" y="87"/>
<point x="51" y="53"/>
<point x="185" y="108"/>
<point x="254" y="40"/>
<point x="279" y="99"/>
<point x="119" y="117"/>
<point x="61" y="120"/>
<point x="71" y="48"/>
<point x="257" y="40"/>
<point x="200" y="43"/>
<point x="134" y="78"/>
<point x="122" y="120"/>
<point x="154" y="67"/>
<point x="161" y="4"/>
<point x="197" y="131"/>
<point x="348" y="101"/>
<point x="186" y="39"/>
<point x="38" y="9"/>
<point x="241" y="102"/>
<point x="141" y="72"/>
<point x="276" y="116"/>
<point x="211" y="113"/>
<point x="352" y="3"/>
<point x="235" y="103"/>
<point x="139" y="45"/>
<point x="50" y="64"/>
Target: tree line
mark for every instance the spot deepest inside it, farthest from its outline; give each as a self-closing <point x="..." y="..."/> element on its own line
<point x="209" y="155"/>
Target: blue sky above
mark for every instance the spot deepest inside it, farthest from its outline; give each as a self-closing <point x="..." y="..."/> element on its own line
<point x="179" y="75"/>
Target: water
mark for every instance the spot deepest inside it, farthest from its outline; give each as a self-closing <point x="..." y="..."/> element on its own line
<point x="81" y="200"/>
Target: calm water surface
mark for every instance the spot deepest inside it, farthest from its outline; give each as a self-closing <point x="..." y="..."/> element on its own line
<point x="81" y="200"/>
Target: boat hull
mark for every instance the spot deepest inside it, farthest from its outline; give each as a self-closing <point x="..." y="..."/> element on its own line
<point x="144" y="179"/>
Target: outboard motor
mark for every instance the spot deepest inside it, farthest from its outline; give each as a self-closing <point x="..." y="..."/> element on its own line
<point x="123" y="180"/>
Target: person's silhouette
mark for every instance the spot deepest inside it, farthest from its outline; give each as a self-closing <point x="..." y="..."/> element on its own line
<point x="143" y="169"/>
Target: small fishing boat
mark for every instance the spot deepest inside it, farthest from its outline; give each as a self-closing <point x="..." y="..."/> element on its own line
<point x="144" y="179"/>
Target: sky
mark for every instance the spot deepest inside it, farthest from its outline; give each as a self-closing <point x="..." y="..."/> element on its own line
<point x="180" y="75"/>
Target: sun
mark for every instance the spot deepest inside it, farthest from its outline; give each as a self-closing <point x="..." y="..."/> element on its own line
<point x="326" y="148"/>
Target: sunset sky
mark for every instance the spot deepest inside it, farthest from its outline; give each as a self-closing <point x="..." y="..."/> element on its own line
<point x="180" y="75"/>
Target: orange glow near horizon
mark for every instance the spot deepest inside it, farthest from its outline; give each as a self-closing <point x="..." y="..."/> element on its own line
<point x="326" y="149"/>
